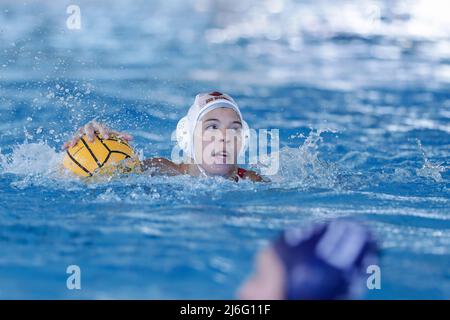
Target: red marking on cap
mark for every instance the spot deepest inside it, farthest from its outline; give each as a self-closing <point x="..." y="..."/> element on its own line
<point x="215" y="94"/>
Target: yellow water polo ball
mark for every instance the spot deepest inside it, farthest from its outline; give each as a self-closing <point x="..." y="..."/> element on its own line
<point x="100" y="156"/>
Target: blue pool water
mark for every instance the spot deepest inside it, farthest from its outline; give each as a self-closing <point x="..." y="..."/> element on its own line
<point x="359" y="92"/>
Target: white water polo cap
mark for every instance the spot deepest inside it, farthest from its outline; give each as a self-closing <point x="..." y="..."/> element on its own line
<point x="203" y="103"/>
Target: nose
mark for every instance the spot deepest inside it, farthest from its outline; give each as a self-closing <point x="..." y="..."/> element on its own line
<point x="223" y="136"/>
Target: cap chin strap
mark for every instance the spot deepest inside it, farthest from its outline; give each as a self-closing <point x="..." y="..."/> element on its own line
<point x="202" y="171"/>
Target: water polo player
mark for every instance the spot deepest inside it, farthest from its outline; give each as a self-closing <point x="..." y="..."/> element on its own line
<point x="212" y="136"/>
<point x="325" y="262"/>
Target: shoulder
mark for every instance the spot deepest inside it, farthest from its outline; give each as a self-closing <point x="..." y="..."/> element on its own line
<point x="251" y="175"/>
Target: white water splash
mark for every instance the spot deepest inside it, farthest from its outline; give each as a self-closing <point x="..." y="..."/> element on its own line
<point x="299" y="168"/>
<point x="429" y="169"/>
<point x="32" y="159"/>
<point x="302" y="168"/>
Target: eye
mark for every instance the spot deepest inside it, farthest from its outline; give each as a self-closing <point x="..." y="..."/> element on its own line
<point x="212" y="127"/>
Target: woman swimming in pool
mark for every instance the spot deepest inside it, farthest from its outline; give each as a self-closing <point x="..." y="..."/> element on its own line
<point x="212" y="136"/>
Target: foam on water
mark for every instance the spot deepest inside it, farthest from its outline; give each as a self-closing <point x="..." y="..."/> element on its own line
<point x="429" y="169"/>
<point x="32" y="159"/>
<point x="300" y="167"/>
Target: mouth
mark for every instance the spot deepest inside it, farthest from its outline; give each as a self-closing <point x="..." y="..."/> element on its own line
<point x="220" y="157"/>
<point x="221" y="154"/>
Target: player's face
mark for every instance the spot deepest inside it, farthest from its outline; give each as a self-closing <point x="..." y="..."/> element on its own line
<point x="217" y="141"/>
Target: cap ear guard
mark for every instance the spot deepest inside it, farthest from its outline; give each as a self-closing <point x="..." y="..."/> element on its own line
<point x="183" y="136"/>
